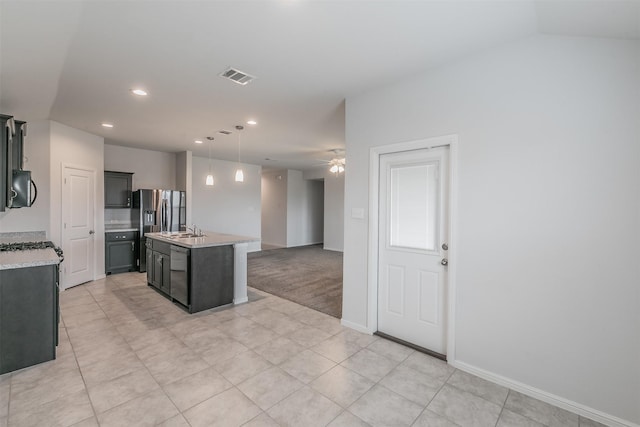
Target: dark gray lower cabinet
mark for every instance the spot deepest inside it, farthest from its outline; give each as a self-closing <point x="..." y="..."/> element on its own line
<point x="210" y="277"/>
<point x="28" y="316"/>
<point x="121" y="252"/>
<point x="197" y="278"/>
<point x="159" y="265"/>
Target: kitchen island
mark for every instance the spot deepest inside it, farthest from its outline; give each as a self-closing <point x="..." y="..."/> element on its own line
<point x="198" y="272"/>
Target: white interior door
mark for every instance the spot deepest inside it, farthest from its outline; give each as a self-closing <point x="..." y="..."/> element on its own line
<point x="78" y="201"/>
<point x="412" y="280"/>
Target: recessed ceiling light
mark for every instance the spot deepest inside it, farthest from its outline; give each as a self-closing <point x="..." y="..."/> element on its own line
<point x="252" y="122"/>
<point x="197" y="141"/>
<point x="107" y="125"/>
<point x="139" y="92"/>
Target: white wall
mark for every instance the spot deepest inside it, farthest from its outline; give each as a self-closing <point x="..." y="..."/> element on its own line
<point x="334" y="212"/>
<point x="75" y="148"/>
<point x="36" y="152"/>
<point x="152" y="169"/>
<point x="184" y="179"/>
<point x="548" y="219"/>
<point x="228" y="206"/>
<point x="304" y="210"/>
<point x="274" y="208"/>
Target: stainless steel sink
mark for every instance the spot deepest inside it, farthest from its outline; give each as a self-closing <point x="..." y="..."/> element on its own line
<point x="184" y="236"/>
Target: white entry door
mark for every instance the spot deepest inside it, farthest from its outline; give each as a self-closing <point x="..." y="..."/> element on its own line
<point x="78" y="228"/>
<point x="412" y="277"/>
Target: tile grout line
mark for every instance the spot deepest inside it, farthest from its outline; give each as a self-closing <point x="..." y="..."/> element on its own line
<point x="129" y="345"/>
<point x="502" y="408"/>
<point x="75" y="356"/>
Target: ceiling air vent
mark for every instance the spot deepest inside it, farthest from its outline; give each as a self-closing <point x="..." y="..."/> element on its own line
<point x="237" y="76"/>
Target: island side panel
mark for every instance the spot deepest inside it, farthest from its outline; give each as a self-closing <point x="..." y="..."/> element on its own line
<point x="240" y="281"/>
<point x="212" y="277"/>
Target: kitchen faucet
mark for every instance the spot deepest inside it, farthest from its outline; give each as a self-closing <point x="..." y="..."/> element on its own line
<point x="195" y="231"/>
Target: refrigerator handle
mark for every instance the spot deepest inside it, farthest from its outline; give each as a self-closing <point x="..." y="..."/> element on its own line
<point x="163" y="226"/>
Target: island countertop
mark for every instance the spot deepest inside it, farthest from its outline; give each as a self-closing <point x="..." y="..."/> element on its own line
<point x="210" y="238"/>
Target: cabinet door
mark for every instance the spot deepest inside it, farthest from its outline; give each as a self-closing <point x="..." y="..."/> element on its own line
<point x="117" y="189"/>
<point x="28" y="320"/>
<point x="166" y="274"/>
<point x="150" y="268"/>
<point x="157" y="270"/>
<point x="17" y="146"/>
<point x="4" y="162"/>
<point x="120" y="256"/>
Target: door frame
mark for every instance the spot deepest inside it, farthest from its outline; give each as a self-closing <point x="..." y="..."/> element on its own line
<point x="372" y="257"/>
<point x="64" y="167"/>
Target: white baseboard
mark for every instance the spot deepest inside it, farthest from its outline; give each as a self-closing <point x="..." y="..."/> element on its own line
<point x="327" y="248"/>
<point x="550" y="398"/>
<point x="355" y="326"/>
<point x="100" y="276"/>
<point x="240" y="300"/>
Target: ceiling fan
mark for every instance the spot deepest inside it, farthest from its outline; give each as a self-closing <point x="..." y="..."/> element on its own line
<point x="337" y="163"/>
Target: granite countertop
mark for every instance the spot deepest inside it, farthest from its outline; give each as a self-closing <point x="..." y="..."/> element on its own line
<point x="209" y="239"/>
<point x="30" y="258"/>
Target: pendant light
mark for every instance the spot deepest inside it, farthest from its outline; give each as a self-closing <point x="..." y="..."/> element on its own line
<point x="239" y="173"/>
<point x="209" y="180"/>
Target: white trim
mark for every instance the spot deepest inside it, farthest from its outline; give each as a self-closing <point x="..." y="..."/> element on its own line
<point x="544" y="396"/>
<point x="372" y="256"/>
<point x="327" y="248"/>
<point x="356" y="326"/>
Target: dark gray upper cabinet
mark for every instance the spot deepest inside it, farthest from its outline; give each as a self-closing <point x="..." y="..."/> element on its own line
<point x="11" y="155"/>
<point x="117" y="189"/>
<point x="4" y="160"/>
<point x="17" y="151"/>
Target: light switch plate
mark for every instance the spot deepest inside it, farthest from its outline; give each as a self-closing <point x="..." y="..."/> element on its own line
<point x="357" y="213"/>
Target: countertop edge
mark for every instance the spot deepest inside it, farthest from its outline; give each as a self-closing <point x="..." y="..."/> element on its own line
<point x="213" y="239"/>
<point x="31" y="258"/>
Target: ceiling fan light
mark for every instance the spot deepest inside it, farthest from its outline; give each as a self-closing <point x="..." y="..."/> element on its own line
<point x="340" y="169"/>
<point x="333" y="169"/>
<point x="209" y="180"/>
<point x="239" y="175"/>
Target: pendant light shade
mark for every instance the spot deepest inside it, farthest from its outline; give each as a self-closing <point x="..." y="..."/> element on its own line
<point x="209" y="180"/>
<point x="239" y="173"/>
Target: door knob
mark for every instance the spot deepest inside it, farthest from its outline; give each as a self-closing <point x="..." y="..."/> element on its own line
<point x="444" y="261"/>
<point x="91" y="232"/>
<point x="445" y="247"/>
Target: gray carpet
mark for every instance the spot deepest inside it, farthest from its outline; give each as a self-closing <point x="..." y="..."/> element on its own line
<point x="308" y="275"/>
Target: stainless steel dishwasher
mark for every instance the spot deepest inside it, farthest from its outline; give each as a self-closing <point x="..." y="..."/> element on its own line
<point x="180" y="274"/>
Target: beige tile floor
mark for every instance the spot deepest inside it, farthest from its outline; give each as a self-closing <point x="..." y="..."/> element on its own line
<point x="129" y="357"/>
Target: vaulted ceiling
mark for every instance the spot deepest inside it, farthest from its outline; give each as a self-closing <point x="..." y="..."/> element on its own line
<point x="76" y="62"/>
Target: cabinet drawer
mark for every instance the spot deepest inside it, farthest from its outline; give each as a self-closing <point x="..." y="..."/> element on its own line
<point x="162" y="247"/>
<point x="122" y="235"/>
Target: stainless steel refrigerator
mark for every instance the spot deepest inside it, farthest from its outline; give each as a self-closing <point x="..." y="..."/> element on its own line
<point x="159" y="210"/>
